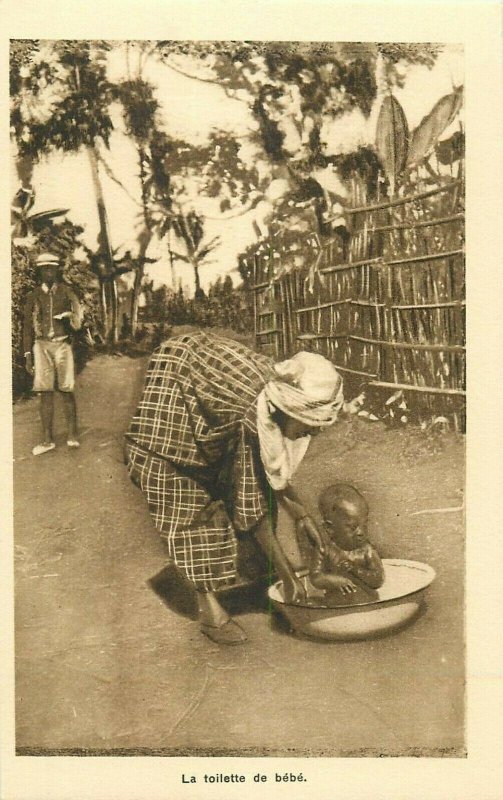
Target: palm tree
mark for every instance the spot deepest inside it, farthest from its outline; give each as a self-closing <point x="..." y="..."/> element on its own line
<point x="140" y="111"/>
<point x="189" y="228"/>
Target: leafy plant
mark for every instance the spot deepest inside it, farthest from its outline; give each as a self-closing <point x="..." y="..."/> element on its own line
<point x="294" y="91"/>
<point x="60" y="101"/>
<point x="25" y="225"/>
<point x="425" y="137"/>
<point x="392" y="139"/>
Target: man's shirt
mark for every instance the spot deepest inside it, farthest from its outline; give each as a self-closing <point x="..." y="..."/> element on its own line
<point x="42" y="304"/>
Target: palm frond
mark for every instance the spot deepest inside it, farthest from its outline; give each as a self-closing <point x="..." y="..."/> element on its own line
<point x="180" y="257"/>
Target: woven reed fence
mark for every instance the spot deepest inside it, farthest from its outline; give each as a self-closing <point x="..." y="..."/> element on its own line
<point x="391" y="314"/>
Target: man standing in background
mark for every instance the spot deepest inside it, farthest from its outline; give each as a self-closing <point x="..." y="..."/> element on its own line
<point x="52" y="313"/>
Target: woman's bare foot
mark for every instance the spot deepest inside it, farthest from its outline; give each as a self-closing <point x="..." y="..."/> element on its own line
<point x="228" y="633"/>
<point x="216" y="623"/>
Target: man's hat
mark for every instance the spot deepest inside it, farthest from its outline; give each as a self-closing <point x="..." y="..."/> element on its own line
<point x="47" y="260"/>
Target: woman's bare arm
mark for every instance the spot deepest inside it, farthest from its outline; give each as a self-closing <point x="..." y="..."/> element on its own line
<point x="291" y="501"/>
<point x="293" y="588"/>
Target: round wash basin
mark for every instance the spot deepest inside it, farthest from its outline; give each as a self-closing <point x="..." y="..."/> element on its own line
<point x="397" y="602"/>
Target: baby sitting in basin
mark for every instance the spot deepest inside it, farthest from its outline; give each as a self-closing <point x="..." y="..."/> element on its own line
<point x="349" y="566"/>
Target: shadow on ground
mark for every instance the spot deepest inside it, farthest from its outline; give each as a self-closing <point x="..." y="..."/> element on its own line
<point x="109" y="657"/>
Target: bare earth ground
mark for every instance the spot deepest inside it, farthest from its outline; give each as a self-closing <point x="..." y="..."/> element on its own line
<point x="105" y="663"/>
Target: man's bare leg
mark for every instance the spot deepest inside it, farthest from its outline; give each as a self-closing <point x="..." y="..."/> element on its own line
<point x="70" y="412"/>
<point x="46" y="410"/>
<point x="47" y="416"/>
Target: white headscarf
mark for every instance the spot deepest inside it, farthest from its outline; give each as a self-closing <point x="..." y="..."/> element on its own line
<point x="307" y="388"/>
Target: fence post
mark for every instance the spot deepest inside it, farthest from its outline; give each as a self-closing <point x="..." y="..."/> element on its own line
<point x="266" y="284"/>
<point x="255" y="304"/>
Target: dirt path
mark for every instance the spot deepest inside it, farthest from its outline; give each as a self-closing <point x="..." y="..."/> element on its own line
<point x="103" y="662"/>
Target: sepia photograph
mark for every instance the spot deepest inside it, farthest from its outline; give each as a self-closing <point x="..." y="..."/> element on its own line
<point x="239" y="409"/>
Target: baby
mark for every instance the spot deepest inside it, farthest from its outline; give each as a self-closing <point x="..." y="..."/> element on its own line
<point x="349" y="562"/>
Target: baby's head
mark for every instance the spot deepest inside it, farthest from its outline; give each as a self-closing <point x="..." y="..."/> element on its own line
<point x="345" y="514"/>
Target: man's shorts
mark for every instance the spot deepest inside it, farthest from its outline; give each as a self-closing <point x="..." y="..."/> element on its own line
<point x="54" y="366"/>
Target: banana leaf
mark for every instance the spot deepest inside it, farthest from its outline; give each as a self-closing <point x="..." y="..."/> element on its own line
<point x="37" y="221"/>
<point x="33" y="223"/>
<point x="451" y="149"/>
<point x="426" y="135"/>
<point x="392" y="139"/>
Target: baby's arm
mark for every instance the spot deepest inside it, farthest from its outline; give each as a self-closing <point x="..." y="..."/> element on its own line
<point x="322" y="578"/>
<point x="372" y="573"/>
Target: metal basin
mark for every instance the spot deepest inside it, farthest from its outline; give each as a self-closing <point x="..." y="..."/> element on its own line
<point x="396" y="603"/>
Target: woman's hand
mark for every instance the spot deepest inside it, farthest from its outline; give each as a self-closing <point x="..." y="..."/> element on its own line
<point x="293" y="589"/>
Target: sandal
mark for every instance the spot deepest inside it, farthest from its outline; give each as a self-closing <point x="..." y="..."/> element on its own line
<point x="228" y="633"/>
<point x="40" y="449"/>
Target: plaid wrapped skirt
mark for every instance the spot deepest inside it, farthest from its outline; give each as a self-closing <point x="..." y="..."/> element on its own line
<point x="195" y="526"/>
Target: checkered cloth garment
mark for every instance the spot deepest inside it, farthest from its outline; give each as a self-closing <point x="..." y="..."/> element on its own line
<point x="192" y="448"/>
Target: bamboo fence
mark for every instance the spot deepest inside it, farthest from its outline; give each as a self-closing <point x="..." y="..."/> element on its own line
<point x="391" y="314"/>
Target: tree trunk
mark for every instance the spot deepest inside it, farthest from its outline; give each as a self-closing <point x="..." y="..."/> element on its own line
<point x="103" y="309"/>
<point x="144" y="239"/>
<point x="138" y="278"/>
<point x="199" y="292"/>
<point x="109" y="292"/>
<point x="114" y="310"/>
<point x="24" y="169"/>
<point x="171" y="263"/>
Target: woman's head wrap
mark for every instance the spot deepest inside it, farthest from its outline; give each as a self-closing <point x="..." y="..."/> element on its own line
<point x="307" y="388"/>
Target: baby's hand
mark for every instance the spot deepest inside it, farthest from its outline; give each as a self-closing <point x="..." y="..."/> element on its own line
<point x="345" y="585"/>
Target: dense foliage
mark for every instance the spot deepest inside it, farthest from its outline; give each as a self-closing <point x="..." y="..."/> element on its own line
<point x="63" y="99"/>
<point x="294" y="91"/>
<point x="223" y="306"/>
